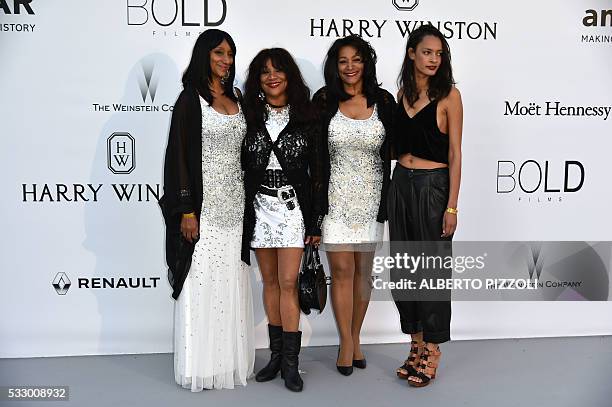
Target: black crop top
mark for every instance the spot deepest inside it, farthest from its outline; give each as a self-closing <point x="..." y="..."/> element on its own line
<point x="420" y="135"/>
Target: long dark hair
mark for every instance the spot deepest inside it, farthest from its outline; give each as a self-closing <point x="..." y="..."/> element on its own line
<point x="368" y="56"/>
<point x="298" y="94"/>
<point x="198" y="75"/>
<point x="441" y="83"/>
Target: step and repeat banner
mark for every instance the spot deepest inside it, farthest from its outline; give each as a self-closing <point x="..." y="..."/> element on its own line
<point x="86" y="94"/>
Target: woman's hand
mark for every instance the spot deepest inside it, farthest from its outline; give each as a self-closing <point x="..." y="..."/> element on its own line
<point x="449" y="224"/>
<point x="314" y="240"/>
<point x="189" y="227"/>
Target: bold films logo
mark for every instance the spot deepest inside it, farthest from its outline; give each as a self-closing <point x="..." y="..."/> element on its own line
<point x="19" y="13"/>
<point x="375" y="28"/>
<point x="597" y="24"/>
<point x="539" y="181"/>
<point x="174" y="18"/>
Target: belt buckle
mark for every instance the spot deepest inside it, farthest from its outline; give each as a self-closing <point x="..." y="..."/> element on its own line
<point x="287" y="196"/>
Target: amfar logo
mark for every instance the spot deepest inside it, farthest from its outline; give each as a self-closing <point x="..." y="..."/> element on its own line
<point x="20" y="8"/>
<point x="121" y="150"/>
<point x="17" y="5"/>
<point x="61" y="283"/>
<point x="148" y="85"/>
<point x="531" y="177"/>
<point x="594" y="19"/>
<point x="405" y="5"/>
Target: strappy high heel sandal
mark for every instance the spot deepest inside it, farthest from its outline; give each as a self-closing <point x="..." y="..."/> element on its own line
<point x="426" y="370"/>
<point x="409" y="366"/>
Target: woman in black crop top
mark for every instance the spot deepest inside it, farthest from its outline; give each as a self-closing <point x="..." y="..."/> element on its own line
<point x="422" y="200"/>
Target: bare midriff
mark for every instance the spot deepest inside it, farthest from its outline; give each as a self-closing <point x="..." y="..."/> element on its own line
<point x="417" y="163"/>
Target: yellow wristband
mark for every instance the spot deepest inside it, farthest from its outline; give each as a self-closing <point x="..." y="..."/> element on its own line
<point x="189" y="215"/>
<point x="452" y="210"/>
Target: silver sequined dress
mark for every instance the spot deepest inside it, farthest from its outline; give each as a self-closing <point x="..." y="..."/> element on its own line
<point x="214" y="340"/>
<point x="275" y="224"/>
<point x="355" y="183"/>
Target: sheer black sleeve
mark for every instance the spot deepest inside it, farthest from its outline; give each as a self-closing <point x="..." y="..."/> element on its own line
<point x="388" y="106"/>
<point x="320" y="103"/>
<point x="319" y="176"/>
<point x="178" y="196"/>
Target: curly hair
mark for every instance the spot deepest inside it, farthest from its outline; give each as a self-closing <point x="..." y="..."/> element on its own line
<point x="368" y="56"/>
<point x="298" y="93"/>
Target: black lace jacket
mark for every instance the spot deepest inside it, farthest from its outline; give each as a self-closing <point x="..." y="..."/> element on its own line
<point x="301" y="154"/>
<point x="327" y="107"/>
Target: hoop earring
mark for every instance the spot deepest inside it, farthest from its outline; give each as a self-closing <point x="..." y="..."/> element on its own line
<point x="225" y="78"/>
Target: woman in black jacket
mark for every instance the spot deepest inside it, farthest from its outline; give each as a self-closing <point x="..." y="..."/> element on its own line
<point x="356" y="123"/>
<point x="285" y="197"/>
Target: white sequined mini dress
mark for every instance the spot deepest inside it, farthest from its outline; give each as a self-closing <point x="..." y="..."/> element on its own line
<point x="355" y="183"/>
<point x="276" y="225"/>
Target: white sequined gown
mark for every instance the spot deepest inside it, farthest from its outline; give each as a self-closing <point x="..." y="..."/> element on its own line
<point x="355" y="184"/>
<point x="214" y="344"/>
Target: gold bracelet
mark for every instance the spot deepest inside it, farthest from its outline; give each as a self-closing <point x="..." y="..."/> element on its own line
<point x="452" y="210"/>
<point x="189" y="215"/>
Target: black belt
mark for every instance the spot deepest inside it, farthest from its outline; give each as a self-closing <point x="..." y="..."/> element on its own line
<point x="285" y="195"/>
<point x="274" y="179"/>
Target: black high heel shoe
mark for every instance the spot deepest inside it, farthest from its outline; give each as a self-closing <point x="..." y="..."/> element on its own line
<point x="359" y="363"/>
<point x="344" y="370"/>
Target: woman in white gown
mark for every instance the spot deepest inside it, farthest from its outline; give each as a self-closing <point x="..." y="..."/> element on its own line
<point x="203" y="198"/>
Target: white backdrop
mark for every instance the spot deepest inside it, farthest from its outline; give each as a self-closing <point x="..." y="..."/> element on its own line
<point x="73" y="205"/>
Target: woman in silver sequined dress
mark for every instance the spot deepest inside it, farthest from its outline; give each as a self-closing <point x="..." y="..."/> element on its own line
<point x="356" y="122"/>
<point x="285" y="197"/>
<point x="203" y="196"/>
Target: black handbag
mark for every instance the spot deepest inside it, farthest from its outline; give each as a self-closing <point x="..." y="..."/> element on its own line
<point x="312" y="284"/>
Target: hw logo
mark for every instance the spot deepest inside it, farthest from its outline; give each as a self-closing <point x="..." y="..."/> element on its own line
<point x="535" y="262"/>
<point x="121" y="150"/>
<point x="61" y="283"/>
<point x="405" y="5"/>
<point x="147" y="84"/>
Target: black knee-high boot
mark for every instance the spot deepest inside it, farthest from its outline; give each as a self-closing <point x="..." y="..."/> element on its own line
<point x="289" y="365"/>
<point x="269" y="372"/>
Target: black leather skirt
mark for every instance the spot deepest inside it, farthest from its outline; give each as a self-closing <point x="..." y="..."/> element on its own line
<point x="416" y="204"/>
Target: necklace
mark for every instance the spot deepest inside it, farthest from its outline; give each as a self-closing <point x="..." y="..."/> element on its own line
<point x="277" y="106"/>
